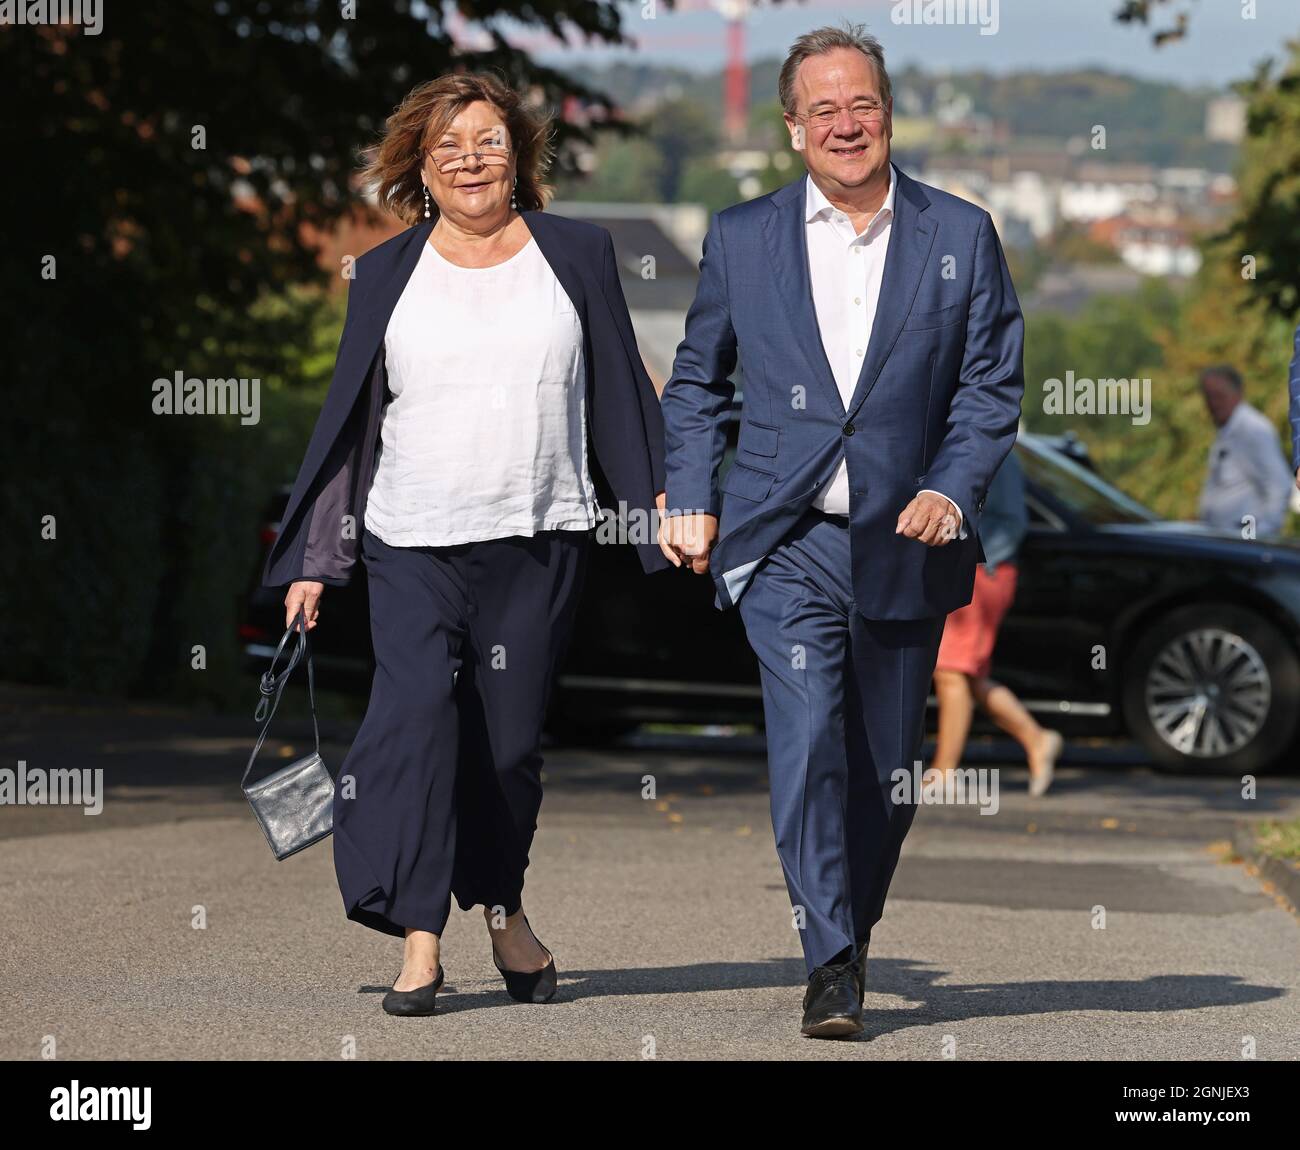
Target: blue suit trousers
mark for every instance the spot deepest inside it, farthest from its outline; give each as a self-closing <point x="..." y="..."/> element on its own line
<point x="844" y="700"/>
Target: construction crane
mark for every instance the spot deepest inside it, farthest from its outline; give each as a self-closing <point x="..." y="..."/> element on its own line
<point x="736" y="78"/>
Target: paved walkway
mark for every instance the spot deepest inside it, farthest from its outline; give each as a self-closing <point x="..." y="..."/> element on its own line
<point x="668" y="918"/>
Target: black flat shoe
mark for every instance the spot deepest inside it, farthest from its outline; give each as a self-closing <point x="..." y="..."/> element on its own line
<point x="832" y="1004"/>
<point x="531" y="985"/>
<point x="417" y="1001"/>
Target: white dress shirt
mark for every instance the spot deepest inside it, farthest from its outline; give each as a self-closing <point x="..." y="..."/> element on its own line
<point x="1248" y="475"/>
<point x="485" y="434"/>
<point x="846" y="269"/>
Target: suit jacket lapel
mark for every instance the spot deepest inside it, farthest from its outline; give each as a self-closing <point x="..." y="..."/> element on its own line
<point x="380" y="309"/>
<point x="539" y="224"/>
<point x="910" y="239"/>
<point x="356" y="360"/>
<point x="786" y="233"/>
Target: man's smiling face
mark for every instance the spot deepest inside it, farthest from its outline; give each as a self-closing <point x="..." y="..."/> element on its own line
<point x="853" y="147"/>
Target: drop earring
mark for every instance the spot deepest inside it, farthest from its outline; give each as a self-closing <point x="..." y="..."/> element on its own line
<point x="426" y="201"/>
<point x="513" y="204"/>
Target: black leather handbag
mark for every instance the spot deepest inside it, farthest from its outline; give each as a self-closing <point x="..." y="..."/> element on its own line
<point x="294" y="805"/>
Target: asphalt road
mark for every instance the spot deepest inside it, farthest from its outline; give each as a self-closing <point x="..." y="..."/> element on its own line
<point x="668" y="917"/>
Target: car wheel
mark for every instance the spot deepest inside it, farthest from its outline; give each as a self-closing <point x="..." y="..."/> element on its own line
<point x="1213" y="687"/>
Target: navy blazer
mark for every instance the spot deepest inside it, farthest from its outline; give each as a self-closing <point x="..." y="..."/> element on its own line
<point x="936" y="404"/>
<point x="1294" y="384"/>
<point x="324" y="517"/>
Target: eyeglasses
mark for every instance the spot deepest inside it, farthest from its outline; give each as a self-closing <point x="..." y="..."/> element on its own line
<point x="447" y="160"/>
<point x="864" y="112"/>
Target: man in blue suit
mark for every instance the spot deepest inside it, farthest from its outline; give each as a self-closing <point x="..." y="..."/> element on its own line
<point x="881" y="343"/>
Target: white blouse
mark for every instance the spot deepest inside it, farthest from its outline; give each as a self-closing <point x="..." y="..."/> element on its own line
<point x="485" y="435"/>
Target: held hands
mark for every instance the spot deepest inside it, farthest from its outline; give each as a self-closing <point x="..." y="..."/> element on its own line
<point x="687" y="539"/>
<point x="306" y="594"/>
<point x="930" y="518"/>
<point x="690" y="538"/>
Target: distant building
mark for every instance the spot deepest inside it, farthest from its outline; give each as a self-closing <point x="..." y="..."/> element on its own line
<point x="1021" y="188"/>
<point x="1156" y="242"/>
<point x="1097" y="191"/>
<point x="1065" y="290"/>
<point x="658" y="249"/>
<point x="1225" y="120"/>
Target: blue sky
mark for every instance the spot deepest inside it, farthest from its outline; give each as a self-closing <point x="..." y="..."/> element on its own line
<point x="1047" y="34"/>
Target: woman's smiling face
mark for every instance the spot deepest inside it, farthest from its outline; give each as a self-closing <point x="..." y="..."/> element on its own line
<point x="475" y="187"/>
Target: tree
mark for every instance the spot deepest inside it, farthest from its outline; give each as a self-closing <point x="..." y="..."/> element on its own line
<point x="1265" y="232"/>
<point x="1174" y="14"/>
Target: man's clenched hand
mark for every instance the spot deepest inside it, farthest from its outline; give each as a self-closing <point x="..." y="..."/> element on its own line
<point x="930" y="518"/>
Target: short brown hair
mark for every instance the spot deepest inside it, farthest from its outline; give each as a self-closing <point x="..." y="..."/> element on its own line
<point x="392" y="169"/>
<point x="1226" y="372"/>
<point x="823" y="40"/>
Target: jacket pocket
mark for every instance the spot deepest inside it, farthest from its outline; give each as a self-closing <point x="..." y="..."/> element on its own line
<point x="748" y="482"/>
<point x="927" y="320"/>
<point x="759" y="438"/>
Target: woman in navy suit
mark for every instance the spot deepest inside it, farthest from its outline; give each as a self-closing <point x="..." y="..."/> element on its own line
<point x="487" y="398"/>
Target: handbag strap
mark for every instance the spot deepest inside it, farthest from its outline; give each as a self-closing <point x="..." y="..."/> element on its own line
<point x="272" y="686"/>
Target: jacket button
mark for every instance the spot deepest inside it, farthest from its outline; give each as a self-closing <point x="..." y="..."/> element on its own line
<point x="848" y="429"/>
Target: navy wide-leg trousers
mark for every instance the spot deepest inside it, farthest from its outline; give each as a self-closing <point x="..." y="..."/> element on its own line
<point x="440" y="792"/>
<point x="844" y="704"/>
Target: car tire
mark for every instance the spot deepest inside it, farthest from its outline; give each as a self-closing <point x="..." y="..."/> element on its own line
<point x="1212" y="688"/>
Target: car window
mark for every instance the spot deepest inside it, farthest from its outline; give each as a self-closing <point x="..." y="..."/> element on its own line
<point x="1083" y="492"/>
<point x="1039" y="517"/>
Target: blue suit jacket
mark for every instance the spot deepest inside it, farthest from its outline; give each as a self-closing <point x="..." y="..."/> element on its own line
<point x="323" y="519"/>
<point x="1295" y="404"/>
<point x="936" y="404"/>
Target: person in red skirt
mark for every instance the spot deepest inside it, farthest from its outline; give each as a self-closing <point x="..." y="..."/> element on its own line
<point x="961" y="677"/>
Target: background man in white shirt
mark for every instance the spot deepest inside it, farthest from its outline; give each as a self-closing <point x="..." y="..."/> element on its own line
<point x="1248" y="483"/>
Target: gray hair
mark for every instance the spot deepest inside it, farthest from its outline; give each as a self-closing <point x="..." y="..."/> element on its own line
<point x="823" y="40"/>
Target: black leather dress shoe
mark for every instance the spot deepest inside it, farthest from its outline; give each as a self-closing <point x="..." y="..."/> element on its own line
<point x="417" y="1001"/>
<point x="832" y="1004"/>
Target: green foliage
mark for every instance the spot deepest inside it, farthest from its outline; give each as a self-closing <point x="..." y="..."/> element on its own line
<point x="681" y="132"/>
<point x="670" y="156"/>
<point x="703" y="182"/>
<point x="627" y="170"/>
<point x="1225" y="317"/>
<point x="1267" y="224"/>
<point x="1071" y="244"/>
<point x="1120" y="337"/>
<point x="1147" y="121"/>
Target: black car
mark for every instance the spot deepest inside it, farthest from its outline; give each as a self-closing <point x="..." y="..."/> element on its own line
<point x="1124" y="624"/>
